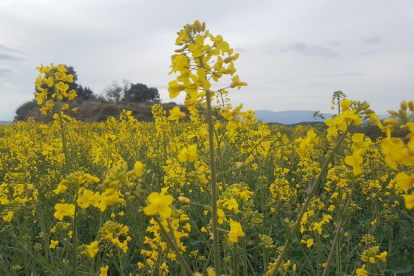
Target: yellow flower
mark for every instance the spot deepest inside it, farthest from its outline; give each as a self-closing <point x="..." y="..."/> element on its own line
<point x="175" y="88"/>
<point x="72" y="94"/>
<point x="75" y="110"/>
<point x="176" y="114"/>
<point x="104" y="271"/>
<point x="53" y="244"/>
<point x="109" y="198"/>
<point x="362" y="271"/>
<point x="89" y="198"/>
<point x="237" y="83"/>
<point x="189" y="154"/>
<point x="93" y="249"/>
<point x="409" y="201"/>
<point x="308" y="242"/>
<point x="138" y="167"/>
<point x="355" y="160"/>
<point x="404" y="181"/>
<point x="48" y="81"/>
<point x="64" y="210"/>
<point x="382" y="256"/>
<point x="233" y="205"/>
<point x="221" y="216"/>
<point x="359" y="143"/>
<point x="235" y="231"/>
<point x="345" y="104"/>
<point x="159" y="203"/>
<point x="8" y="217"/>
<point x="211" y="272"/>
<point x="203" y="230"/>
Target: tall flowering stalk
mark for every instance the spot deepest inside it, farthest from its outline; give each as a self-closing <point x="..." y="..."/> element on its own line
<point x="197" y="62"/>
<point x="53" y="88"/>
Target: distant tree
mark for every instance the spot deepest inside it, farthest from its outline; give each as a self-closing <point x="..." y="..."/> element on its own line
<point x="337" y="97"/>
<point x="141" y="93"/>
<point x="85" y="93"/>
<point x="114" y="92"/>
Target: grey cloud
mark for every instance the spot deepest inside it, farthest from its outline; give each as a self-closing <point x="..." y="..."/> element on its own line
<point x="334" y="43"/>
<point x="372" y="40"/>
<point x="349" y="74"/>
<point x="312" y="50"/>
<point x="9" y="53"/>
<point x="5" y="70"/>
<point x="365" y="53"/>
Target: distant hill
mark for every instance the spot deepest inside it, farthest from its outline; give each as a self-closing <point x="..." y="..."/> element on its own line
<point x="288" y="117"/>
<point x="93" y="110"/>
<point x="292" y="117"/>
<point x="5" y="122"/>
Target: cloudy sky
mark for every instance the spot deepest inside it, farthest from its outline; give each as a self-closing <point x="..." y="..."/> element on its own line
<point x="293" y="54"/>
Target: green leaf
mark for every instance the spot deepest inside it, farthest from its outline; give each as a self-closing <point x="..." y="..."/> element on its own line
<point x="395" y="266"/>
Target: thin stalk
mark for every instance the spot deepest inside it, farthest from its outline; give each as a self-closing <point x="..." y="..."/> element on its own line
<point x="183" y="273"/>
<point x="75" y="233"/>
<point x="214" y="190"/>
<point x="379" y="268"/>
<point x="167" y="236"/>
<point x="235" y="260"/>
<point x="337" y="234"/>
<point x="31" y="255"/>
<point x="62" y="131"/>
<point x="305" y="206"/>
<point x="65" y="150"/>
<point x="317" y="256"/>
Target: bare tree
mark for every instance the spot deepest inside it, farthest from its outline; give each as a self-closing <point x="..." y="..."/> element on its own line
<point x="114" y="92"/>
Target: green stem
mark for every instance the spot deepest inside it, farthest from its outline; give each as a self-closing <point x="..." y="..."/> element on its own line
<point x="337" y="234"/>
<point x="305" y="206"/>
<point x="167" y="236"/>
<point x="75" y="233"/>
<point x="183" y="273"/>
<point x="379" y="268"/>
<point x="214" y="189"/>
<point x="65" y="148"/>
<point x="235" y="261"/>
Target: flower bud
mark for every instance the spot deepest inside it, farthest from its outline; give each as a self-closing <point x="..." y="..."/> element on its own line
<point x="197" y="26"/>
<point x="203" y="26"/>
<point x="239" y="164"/>
<point x="184" y="200"/>
<point x="403" y="105"/>
<point x="188" y="103"/>
<point x="391" y="121"/>
<point x="392" y="112"/>
<point x="411" y="105"/>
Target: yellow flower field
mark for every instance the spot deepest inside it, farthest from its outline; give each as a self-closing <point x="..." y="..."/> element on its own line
<point x="211" y="193"/>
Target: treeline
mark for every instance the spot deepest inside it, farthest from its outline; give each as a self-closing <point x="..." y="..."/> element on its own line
<point x="114" y="97"/>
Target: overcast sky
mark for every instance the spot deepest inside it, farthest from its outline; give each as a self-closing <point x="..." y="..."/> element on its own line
<point x="293" y="54"/>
